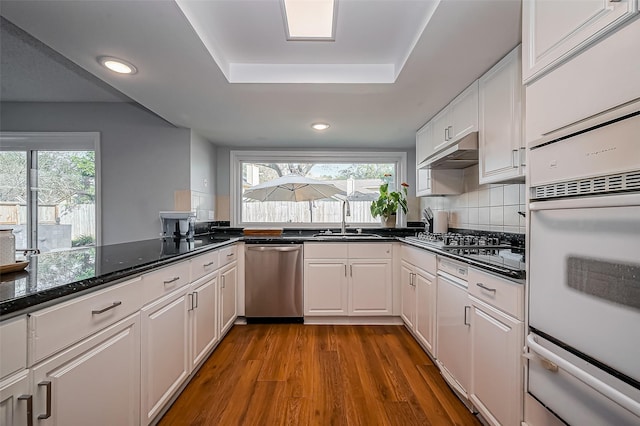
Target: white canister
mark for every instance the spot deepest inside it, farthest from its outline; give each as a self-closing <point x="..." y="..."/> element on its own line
<point x="7" y="247"/>
<point x="441" y="222"/>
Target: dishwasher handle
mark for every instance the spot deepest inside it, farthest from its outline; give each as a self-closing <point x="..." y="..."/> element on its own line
<point x="267" y="248"/>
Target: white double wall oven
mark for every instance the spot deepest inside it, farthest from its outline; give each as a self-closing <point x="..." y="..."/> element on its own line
<point x="584" y="277"/>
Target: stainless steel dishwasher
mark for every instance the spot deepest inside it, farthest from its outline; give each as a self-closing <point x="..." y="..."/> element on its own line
<point x="273" y="283"/>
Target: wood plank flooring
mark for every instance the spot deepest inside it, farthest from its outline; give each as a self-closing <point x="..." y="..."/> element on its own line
<point x="294" y="374"/>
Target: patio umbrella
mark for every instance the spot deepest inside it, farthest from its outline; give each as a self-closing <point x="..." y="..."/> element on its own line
<point x="292" y="187"/>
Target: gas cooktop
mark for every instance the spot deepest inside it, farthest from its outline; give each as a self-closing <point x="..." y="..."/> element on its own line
<point x="492" y="251"/>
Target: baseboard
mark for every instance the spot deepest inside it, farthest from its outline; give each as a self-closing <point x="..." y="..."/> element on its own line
<point x="353" y="320"/>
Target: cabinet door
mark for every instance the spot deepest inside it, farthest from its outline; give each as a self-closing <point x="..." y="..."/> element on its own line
<point x="501" y="140"/>
<point x="497" y="374"/>
<point x="464" y="113"/>
<point x="95" y="382"/>
<point x="15" y="400"/>
<point x="408" y="295"/>
<point x="370" y="287"/>
<point x="441" y="131"/>
<point x="228" y="298"/>
<point x="325" y="287"/>
<point x="424" y="142"/>
<point x="165" y="354"/>
<point x="204" y="327"/>
<point x="554" y="31"/>
<point x="425" y="291"/>
<point x="454" y="332"/>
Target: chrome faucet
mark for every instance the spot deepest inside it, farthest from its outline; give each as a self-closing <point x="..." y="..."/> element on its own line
<point x="346" y="211"/>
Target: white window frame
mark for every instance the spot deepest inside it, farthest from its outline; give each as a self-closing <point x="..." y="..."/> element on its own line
<point x="61" y="141"/>
<point x="236" y="158"/>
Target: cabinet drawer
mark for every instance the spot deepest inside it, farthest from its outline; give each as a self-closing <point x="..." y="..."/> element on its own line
<point x="228" y="254"/>
<point x="13" y="346"/>
<point x="204" y="264"/>
<point x="61" y="325"/>
<point x="369" y="251"/>
<point x="164" y="281"/>
<point x="505" y="295"/>
<point x="325" y="250"/>
<point x="419" y="257"/>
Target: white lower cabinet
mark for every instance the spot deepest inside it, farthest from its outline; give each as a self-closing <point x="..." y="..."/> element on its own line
<point x="164" y="348"/>
<point x="418" y="295"/>
<point x="407" y="295"/>
<point x="228" y="297"/>
<point x="497" y="339"/>
<point x="203" y="312"/>
<point x="371" y="292"/>
<point x="348" y="279"/>
<point x="454" y="335"/>
<point x="496" y="382"/>
<point x="425" y="325"/>
<point x="16" y="400"/>
<point x="95" y="382"/>
<point x="325" y="287"/>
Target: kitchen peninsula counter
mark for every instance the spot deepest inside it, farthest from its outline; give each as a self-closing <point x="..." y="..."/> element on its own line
<point x="52" y="276"/>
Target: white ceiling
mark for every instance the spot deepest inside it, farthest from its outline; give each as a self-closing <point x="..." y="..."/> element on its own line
<point x="179" y="63"/>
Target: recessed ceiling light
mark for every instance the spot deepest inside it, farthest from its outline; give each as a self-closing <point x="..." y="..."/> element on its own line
<point x="310" y="19"/>
<point x="117" y="65"/>
<point x="320" y="126"/>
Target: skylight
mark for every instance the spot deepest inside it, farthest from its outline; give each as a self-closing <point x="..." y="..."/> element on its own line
<point x="310" y="19"/>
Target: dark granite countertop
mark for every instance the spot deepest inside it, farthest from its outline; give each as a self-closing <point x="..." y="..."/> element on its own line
<point x="54" y="275"/>
<point x="57" y="275"/>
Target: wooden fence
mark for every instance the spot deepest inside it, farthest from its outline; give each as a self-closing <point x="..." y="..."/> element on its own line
<point x="306" y="212"/>
<point x="82" y="217"/>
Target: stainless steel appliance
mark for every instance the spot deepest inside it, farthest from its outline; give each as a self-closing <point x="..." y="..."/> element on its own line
<point x="273" y="282"/>
<point x="584" y="288"/>
<point x="499" y="253"/>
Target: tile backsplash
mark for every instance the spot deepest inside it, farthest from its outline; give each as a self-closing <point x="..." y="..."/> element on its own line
<point x="490" y="207"/>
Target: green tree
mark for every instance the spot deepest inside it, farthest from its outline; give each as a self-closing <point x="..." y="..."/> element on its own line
<point x="366" y="171"/>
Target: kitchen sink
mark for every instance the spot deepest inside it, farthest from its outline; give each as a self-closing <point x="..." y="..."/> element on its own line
<point x="340" y="236"/>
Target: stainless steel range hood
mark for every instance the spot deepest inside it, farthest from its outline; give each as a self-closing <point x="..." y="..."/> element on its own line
<point x="462" y="154"/>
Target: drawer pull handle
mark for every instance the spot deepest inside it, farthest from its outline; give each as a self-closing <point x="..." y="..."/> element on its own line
<point x="47" y="414"/>
<point x="466" y="310"/>
<point x="230" y="254"/>
<point x="484" y="287"/>
<point x="172" y="280"/>
<point x="223" y="284"/>
<point x="108" y="308"/>
<point x="195" y="294"/>
<point x="208" y="264"/>
<point x="191" y="307"/>
<point x="29" y="399"/>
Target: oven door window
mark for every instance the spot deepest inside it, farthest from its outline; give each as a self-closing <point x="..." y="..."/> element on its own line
<point x="585" y="282"/>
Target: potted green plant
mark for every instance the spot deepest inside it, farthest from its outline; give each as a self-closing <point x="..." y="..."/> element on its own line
<point x="388" y="203"/>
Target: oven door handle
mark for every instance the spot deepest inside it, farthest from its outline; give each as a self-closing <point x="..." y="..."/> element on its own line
<point x="622" y="200"/>
<point x="613" y="394"/>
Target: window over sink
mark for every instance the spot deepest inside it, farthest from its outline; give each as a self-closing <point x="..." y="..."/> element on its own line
<point x="355" y="176"/>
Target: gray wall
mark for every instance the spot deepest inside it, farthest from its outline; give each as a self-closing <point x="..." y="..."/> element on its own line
<point x="203" y="177"/>
<point x="144" y="159"/>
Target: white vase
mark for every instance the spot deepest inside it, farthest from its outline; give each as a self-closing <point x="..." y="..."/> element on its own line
<point x="388" y="221"/>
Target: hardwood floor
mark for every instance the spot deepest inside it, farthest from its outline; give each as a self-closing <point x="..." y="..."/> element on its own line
<point x="293" y="374"/>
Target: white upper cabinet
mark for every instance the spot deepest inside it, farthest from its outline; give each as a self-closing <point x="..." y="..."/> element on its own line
<point x="464" y="113"/>
<point x="457" y="119"/>
<point x="501" y="141"/>
<point x="424" y="142"/>
<point x="555" y="30"/>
